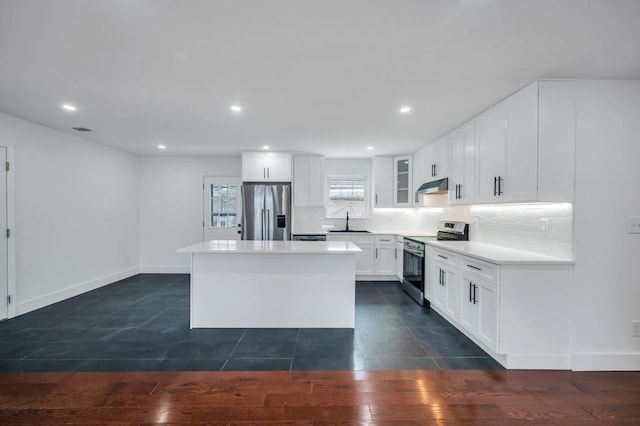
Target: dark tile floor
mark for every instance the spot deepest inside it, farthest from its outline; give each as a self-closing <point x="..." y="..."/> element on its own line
<point x="142" y="324"/>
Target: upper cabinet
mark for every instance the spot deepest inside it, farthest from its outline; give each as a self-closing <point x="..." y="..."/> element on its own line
<point x="437" y="160"/>
<point x="525" y="146"/>
<point x="462" y="167"/>
<point x="308" y="181"/>
<point x="383" y="179"/>
<point x="266" y="166"/>
<point x="402" y="188"/>
<point x="419" y="171"/>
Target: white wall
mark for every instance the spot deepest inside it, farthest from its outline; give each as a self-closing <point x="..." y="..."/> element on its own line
<point x="76" y="221"/>
<point x="171" y="207"/>
<point x="606" y="293"/>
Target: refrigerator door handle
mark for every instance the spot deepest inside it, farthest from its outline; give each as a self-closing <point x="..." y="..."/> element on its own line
<point x="263" y="224"/>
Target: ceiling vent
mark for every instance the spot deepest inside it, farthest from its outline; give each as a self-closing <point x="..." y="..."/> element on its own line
<point x="82" y="129"/>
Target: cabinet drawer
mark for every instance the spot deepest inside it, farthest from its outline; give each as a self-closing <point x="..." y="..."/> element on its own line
<point x="478" y="267"/>
<point x="362" y="239"/>
<point x="445" y="257"/>
<point x="385" y="239"/>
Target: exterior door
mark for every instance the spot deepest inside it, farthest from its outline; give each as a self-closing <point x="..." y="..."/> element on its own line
<point x="222" y="208"/>
<point x="4" y="250"/>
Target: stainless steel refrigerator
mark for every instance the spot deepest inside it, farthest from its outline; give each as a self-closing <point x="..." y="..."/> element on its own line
<point x="266" y="211"/>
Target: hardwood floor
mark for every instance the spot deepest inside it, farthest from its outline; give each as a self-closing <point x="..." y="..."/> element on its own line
<point x="322" y="398"/>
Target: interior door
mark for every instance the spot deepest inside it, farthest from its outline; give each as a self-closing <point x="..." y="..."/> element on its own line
<point x="4" y="278"/>
<point x="222" y="208"/>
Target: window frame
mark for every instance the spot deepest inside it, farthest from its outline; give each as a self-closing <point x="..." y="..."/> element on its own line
<point x="367" y="206"/>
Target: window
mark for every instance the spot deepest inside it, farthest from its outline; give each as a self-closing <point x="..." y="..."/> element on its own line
<point x="347" y="194"/>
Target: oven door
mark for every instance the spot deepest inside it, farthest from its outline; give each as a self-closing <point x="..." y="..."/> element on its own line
<point x="413" y="274"/>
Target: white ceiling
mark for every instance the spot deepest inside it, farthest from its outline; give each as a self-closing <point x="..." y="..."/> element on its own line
<point x="317" y="76"/>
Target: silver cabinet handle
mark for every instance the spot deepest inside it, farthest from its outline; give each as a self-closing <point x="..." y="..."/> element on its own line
<point x="395" y="250"/>
<point x="376" y="253"/>
<point x="500" y="179"/>
<point x="443" y="257"/>
<point x="376" y="198"/>
<point x="475" y="300"/>
<point x="495" y="186"/>
<point x="474" y="267"/>
<point x="470" y="292"/>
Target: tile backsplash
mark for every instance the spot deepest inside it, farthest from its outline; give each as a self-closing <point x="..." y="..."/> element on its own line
<point x="518" y="226"/>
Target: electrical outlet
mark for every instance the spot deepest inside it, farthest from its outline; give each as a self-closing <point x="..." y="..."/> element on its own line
<point x="633" y="225"/>
<point x="544" y="225"/>
<point x="635" y="328"/>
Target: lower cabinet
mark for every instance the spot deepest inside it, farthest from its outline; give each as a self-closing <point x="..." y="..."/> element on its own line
<point x="479" y="309"/>
<point x="378" y="256"/>
<point x="506" y="309"/>
<point x="385" y="255"/>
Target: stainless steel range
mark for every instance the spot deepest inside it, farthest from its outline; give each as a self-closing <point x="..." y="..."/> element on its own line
<point x="414" y="271"/>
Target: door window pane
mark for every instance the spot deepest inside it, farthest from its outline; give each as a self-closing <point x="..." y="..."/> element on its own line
<point x="223" y="206"/>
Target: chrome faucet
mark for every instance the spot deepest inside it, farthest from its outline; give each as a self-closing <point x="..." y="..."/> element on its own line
<point x="347" y="227"/>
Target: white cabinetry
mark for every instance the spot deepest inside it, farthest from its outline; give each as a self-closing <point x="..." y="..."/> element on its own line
<point x="379" y="256"/>
<point x="479" y="297"/>
<point x="437" y="159"/>
<point x="402" y="187"/>
<point x="308" y="181"/>
<point x="462" y="169"/>
<point x="445" y="277"/>
<point x="506" y="309"/>
<point x="266" y="166"/>
<point x="525" y="146"/>
<point x="364" y="259"/>
<point x="383" y="181"/>
<point x="385" y="255"/>
<point x="399" y="257"/>
<point x="418" y="178"/>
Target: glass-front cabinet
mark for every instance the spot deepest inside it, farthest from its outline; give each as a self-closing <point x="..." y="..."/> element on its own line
<point x="402" y="186"/>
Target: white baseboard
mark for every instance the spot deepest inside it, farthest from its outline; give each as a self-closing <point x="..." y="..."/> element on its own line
<point x="627" y="361"/>
<point x="538" y="362"/>
<point x="376" y="278"/>
<point x="74" y="290"/>
<point x="163" y="269"/>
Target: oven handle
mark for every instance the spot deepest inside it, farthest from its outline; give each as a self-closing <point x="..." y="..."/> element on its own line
<point x="415" y="252"/>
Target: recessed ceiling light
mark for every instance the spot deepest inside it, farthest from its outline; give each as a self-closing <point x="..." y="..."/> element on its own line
<point x="405" y="109"/>
<point x="265" y="146"/>
<point x="370" y="148"/>
<point x="235" y="108"/>
<point x="162" y="147"/>
<point x="69" y="107"/>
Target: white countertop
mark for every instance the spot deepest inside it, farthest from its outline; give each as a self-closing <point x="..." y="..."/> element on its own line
<point x="499" y="255"/>
<point x="246" y="246"/>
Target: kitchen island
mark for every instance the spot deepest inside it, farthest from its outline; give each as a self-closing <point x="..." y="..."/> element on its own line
<point x="272" y="284"/>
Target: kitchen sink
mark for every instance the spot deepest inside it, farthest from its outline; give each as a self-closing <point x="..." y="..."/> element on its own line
<point x="351" y="230"/>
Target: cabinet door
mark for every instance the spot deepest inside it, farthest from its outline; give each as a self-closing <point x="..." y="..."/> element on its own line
<point x="462" y="165"/>
<point x="383" y="182"/>
<point x="468" y="309"/>
<point x="487" y="302"/>
<point x="436" y="285"/>
<point x="316" y="181"/>
<point x="418" y="175"/>
<point x="385" y="260"/>
<point x="451" y="301"/>
<point x="278" y="166"/>
<point x="402" y="196"/>
<point x="253" y="167"/>
<point x="441" y="154"/>
<point x="301" y="181"/>
<point x="365" y="259"/>
<point x="491" y="140"/>
<point x="399" y="255"/>
<point x="520" y="180"/>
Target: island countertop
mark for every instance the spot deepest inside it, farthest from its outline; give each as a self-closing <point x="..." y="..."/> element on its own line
<point x="271" y="247"/>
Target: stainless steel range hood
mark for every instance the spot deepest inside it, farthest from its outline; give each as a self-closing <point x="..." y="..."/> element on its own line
<point x="440" y="186"/>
